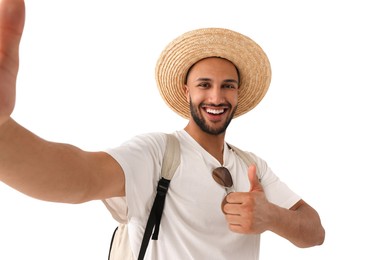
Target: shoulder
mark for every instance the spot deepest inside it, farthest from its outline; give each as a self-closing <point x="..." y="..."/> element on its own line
<point x="251" y="158"/>
<point x="141" y="146"/>
<point x="151" y="137"/>
<point x="261" y="164"/>
<point x="146" y="141"/>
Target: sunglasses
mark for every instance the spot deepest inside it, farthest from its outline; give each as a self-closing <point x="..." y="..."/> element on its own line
<point x="223" y="177"/>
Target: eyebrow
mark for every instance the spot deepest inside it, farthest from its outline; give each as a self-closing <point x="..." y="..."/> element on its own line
<point x="226" y="80"/>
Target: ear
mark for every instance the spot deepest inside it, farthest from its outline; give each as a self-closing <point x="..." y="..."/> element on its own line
<point x="187" y="93"/>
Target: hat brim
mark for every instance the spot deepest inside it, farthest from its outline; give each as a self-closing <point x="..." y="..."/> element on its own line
<point x="191" y="47"/>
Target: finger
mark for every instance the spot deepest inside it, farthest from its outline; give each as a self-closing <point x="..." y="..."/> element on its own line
<point x="235" y="224"/>
<point x="234" y="220"/>
<point x="230" y="208"/>
<point x="234" y="198"/>
<point x="236" y="228"/>
<point x="223" y="205"/>
<point x="253" y="179"/>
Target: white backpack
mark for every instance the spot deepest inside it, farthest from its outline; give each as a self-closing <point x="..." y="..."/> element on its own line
<point x="120" y="245"/>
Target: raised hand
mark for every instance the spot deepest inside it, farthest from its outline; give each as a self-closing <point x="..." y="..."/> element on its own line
<point x="12" y="16"/>
<point x="247" y="212"/>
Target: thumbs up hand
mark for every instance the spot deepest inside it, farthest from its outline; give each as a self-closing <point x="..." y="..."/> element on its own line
<point x="247" y="212"/>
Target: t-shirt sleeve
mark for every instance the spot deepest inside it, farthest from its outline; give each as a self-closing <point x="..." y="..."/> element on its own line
<point x="140" y="158"/>
<point x="276" y="191"/>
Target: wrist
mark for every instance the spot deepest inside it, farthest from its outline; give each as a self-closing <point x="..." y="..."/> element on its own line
<point x="4" y="122"/>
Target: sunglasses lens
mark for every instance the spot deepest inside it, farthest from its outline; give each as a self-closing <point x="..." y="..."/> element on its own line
<point x="222" y="176"/>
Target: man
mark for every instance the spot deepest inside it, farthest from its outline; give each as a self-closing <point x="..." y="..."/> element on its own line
<point x="209" y="76"/>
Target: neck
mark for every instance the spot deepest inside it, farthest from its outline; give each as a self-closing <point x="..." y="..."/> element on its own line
<point x="213" y="144"/>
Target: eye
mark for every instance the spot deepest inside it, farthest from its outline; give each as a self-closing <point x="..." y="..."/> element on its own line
<point x="229" y="86"/>
<point x="203" y="85"/>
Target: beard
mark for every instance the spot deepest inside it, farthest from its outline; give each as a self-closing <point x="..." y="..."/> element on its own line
<point x="201" y="122"/>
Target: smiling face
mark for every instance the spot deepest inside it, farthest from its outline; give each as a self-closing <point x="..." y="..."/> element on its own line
<point x="212" y="92"/>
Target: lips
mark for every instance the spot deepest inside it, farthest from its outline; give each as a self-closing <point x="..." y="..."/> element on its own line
<point x="215" y="113"/>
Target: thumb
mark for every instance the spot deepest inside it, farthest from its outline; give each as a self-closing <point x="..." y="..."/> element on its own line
<point x="253" y="179"/>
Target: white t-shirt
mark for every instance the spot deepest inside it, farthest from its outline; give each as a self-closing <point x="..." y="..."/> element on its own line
<point x="193" y="225"/>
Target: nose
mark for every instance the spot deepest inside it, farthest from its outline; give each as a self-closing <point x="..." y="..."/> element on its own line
<point x="216" y="95"/>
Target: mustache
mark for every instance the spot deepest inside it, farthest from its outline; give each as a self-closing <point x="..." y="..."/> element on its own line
<point x="223" y="105"/>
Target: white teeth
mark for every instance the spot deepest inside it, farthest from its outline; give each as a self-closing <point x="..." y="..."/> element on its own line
<point x="214" y="111"/>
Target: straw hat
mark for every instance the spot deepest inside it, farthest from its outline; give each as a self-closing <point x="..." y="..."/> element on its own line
<point x="177" y="58"/>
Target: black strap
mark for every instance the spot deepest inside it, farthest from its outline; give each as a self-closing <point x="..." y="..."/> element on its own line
<point x="155" y="216"/>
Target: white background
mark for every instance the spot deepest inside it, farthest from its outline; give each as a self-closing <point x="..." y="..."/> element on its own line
<point x="87" y="78"/>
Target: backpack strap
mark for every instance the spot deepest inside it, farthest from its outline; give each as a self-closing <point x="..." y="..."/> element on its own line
<point x="120" y="245"/>
<point x="246" y="157"/>
<point x="171" y="161"/>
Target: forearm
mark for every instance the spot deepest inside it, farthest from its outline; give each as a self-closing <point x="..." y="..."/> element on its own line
<point x="42" y="169"/>
<point x="301" y="226"/>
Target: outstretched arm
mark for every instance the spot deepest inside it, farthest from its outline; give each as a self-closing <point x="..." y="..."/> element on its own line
<point x="251" y="213"/>
<point x="41" y="169"/>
